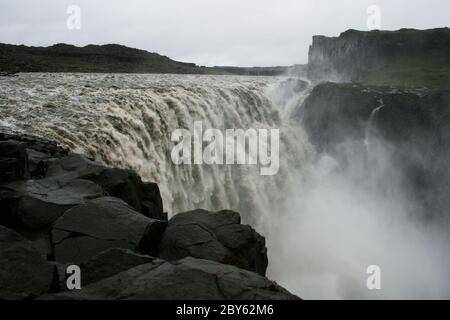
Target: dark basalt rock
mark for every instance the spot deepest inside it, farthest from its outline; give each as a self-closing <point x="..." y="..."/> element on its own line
<point x="37" y="163"/>
<point x="412" y="126"/>
<point x="24" y="273"/>
<point x="335" y="113"/>
<point x="111" y="262"/>
<point x="128" y="186"/>
<point x="88" y="229"/>
<point x="215" y="236"/>
<point x="120" y="183"/>
<point x="72" y="166"/>
<point x="24" y="156"/>
<point x="13" y="161"/>
<point x="35" y="204"/>
<point x="48" y="147"/>
<point x="75" y="211"/>
<point x="188" y="278"/>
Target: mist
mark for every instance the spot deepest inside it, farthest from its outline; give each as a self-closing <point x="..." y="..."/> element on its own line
<point x="347" y="211"/>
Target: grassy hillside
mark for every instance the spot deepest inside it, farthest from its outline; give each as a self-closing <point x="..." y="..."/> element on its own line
<point x="112" y="58"/>
<point x="91" y="58"/>
<point x="430" y="69"/>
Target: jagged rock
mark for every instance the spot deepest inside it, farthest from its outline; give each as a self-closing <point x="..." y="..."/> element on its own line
<point x="188" y="278"/>
<point x="35" y="204"/>
<point x="67" y="219"/>
<point x="24" y="273"/>
<point x="50" y="148"/>
<point x="119" y="183"/>
<point x="61" y="276"/>
<point x="13" y="161"/>
<point x="215" y="236"/>
<point x="37" y="162"/>
<point x="71" y="167"/>
<point x="128" y="186"/>
<point x="111" y="262"/>
<point x="32" y="157"/>
<point x="88" y="229"/>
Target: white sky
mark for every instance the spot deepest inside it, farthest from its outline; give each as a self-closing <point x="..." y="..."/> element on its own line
<point x="210" y="32"/>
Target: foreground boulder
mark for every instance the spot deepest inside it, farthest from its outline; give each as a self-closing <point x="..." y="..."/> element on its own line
<point x="23" y="156"/>
<point x="103" y="223"/>
<point x="120" y="183"/>
<point x="13" y="161"/>
<point x="72" y="210"/>
<point x="214" y="236"/>
<point x="24" y="273"/>
<point x="111" y="262"/>
<point x="35" y="204"/>
<point x="188" y="278"/>
<point x="128" y="186"/>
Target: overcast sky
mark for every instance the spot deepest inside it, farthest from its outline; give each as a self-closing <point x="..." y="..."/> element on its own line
<point x="210" y="32"/>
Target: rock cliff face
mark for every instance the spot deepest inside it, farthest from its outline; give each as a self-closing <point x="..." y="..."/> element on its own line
<point x="411" y="126"/>
<point x="59" y="209"/>
<point x="405" y="57"/>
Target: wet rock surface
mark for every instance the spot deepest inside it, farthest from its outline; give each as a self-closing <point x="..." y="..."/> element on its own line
<point x="410" y="128"/>
<point x="106" y="222"/>
<point x="40" y="202"/>
<point x="218" y="236"/>
<point x="119" y="183"/>
<point x="59" y="209"/>
<point x="188" y="278"/>
<point x="113" y="261"/>
<point x="24" y="272"/>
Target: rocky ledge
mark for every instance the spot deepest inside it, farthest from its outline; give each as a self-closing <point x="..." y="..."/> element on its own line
<point x="59" y="209"/>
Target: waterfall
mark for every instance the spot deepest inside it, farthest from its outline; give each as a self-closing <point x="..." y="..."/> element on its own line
<point x="370" y="125"/>
<point x="324" y="223"/>
<point x="127" y="120"/>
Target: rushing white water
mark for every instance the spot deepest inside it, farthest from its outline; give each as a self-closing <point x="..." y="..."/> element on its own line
<point x="323" y="224"/>
<point x="127" y="121"/>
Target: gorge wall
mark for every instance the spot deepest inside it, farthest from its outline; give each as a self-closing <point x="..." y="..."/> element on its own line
<point x="406" y="57"/>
